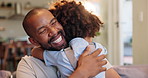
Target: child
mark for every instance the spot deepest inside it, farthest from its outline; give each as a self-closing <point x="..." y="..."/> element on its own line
<point x="80" y="27"/>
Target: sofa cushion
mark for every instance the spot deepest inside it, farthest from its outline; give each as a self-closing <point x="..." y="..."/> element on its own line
<point x="132" y="71"/>
<point x="5" y="74"/>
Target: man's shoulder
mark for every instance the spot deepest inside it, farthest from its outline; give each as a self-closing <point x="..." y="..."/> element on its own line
<point x="34" y="67"/>
<point x="34" y="63"/>
<point x="30" y="60"/>
<point x="27" y="57"/>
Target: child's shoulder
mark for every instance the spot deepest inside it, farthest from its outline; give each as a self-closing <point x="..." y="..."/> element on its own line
<point x="78" y="41"/>
<point x="98" y="45"/>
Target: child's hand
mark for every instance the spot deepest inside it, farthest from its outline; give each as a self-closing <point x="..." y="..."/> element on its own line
<point x="37" y="52"/>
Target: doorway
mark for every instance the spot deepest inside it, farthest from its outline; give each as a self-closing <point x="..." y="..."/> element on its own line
<point x="125" y="23"/>
<point x="120" y="31"/>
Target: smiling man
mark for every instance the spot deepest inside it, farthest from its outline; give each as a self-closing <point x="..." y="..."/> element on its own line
<point x="44" y="30"/>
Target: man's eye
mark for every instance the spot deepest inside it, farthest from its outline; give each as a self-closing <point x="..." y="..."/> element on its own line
<point x="42" y="31"/>
<point x="54" y="22"/>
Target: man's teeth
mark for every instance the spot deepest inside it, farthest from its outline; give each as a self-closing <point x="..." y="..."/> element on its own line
<point x="58" y="40"/>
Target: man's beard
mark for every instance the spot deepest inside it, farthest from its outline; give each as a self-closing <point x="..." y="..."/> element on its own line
<point x="55" y="48"/>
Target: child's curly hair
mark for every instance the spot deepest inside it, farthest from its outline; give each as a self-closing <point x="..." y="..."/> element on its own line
<point x="76" y="20"/>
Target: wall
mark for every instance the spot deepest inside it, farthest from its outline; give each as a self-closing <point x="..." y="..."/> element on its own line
<point x="13" y="28"/>
<point x="140" y="31"/>
<point x="104" y="17"/>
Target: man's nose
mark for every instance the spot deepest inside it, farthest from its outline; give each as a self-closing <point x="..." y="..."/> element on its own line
<point x="52" y="31"/>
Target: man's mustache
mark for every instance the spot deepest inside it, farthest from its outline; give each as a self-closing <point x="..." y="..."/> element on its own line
<point x="60" y="32"/>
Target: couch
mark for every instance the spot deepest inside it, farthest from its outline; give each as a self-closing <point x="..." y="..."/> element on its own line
<point x="132" y="71"/>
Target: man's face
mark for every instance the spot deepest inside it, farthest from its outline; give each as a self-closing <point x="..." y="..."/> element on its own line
<point x="47" y="31"/>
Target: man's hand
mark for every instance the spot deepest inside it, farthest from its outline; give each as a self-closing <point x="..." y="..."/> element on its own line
<point x="37" y="52"/>
<point x="89" y="65"/>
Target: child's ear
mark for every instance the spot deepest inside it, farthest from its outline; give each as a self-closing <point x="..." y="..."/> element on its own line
<point x="33" y="41"/>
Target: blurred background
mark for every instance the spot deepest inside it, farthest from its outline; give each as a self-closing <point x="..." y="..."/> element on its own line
<point x="124" y="33"/>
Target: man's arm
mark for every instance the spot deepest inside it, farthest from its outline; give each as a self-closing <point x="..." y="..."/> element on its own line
<point x="89" y="65"/>
<point x="111" y="73"/>
<point x="37" y="52"/>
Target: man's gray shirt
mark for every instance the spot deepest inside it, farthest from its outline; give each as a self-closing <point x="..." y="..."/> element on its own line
<point x="30" y="67"/>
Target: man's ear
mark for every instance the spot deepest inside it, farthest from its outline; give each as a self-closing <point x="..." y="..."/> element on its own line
<point x="33" y="41"/>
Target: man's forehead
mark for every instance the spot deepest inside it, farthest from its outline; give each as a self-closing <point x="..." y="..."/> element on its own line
<point x="40" y="19"/>
<point x="40" y="15"/>
<point x="44" y="11"/>
<point x="45" y="14"/>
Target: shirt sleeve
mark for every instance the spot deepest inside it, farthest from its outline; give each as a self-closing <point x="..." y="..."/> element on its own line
<point x="108" y="65"/>
<point x="104" y="51"/>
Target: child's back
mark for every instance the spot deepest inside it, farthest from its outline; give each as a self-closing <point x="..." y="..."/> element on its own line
<point x="64" y="63"/>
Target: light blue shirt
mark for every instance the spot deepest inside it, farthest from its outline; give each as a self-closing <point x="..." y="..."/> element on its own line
<point x="59" y="59"/>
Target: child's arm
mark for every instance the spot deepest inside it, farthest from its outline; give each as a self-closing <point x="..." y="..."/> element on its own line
<point x="37" y="52"/>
